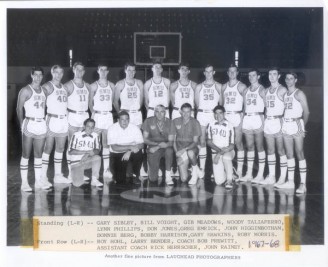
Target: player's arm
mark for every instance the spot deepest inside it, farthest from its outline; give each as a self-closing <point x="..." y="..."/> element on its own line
<point x="92" y="92"/>
<point x="222" y="93"/>
<point x="47" y="89"/>
<point x="116" y="95"/>
<point x="112" y="86"/>
<point x="262" y="92"/>
<point x="218" y="88"/>
<point x="87" y="85"/>
<point x="173" y="87"/>
<point x="24" y="94"/>
<point x="197" y="94"/>
<point x="193" y="86"/>
<point x="167" y="84"/>
<point x="281" y="92"/>
<point x="141" y="88"/>
<point x="69" y="87"/>
<point x="242" y="88"/>
<point x="146" y="93"/>
<point x="231" y="137"/>
<point x="300" y="96"/>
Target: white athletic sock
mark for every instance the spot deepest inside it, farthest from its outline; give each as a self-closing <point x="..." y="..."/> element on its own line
<point x="291" y="169"/>
<point x="24" y="169"/>
<point x="68" y="157"/>
<point x="58" y="159"/>
<point x="45" y="164"/>
<point x="37" y="168"/>
<point x="202" y="157"/>
<point x="250" y="162"/>
<point x="272" y="164"/>
<point x="240" y="161"/>
<point x="283" y="167"/>
<point x="261" y="156"/>
<point x="303" y="170"/>
<point x="105" y="155"/>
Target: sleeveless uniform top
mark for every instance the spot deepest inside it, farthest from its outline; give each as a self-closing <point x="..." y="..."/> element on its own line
<point x="254" y="101"/>
<point x="35" y="105"/>
<point x="158" y="94"/>
<point x="208" y="97"/>
<point x="57" y="101"/>
<point x="233" y="100"/>
<point x="103" y="98"/>
<point x="78" y="99"/>
<point x="130" y="96"/>
<point x="293" y="107"/>
<point x="274" y="106"/>
<point x="184" y="94"/>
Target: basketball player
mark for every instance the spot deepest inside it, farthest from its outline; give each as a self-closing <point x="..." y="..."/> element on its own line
<point x="207" y="97"/>
<point x="182" y="91"/>
<point x="233" y="92"/>
<point x="100" y="104"/>
<point x="293" y="128"/>
<point x="32" y="99"/>
<point x="221" y="139"/>
<point x="252" y="126"/>
<point x="274" y="103"/>
<point x="156" y="91"/>
<point x="185" y="143"/>
<point x="77" y="103"/>
<point x="57" y="124"/>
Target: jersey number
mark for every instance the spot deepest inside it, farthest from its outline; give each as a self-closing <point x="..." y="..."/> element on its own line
<point x="132" y="94"/>
<point x="38" y="105"/>
<point x="104" y="97"/>
<point x="231" y="100"/>
<point x="158" y="93"/>
<point x="185" y="95"/>
<point x="270" y="104"/>
<point x="208" y="97"/>
<point x="250" y="102"/>
<point x="62" y="98"/>
<point x="82" y="98"/>
<point x="288" y="105"/>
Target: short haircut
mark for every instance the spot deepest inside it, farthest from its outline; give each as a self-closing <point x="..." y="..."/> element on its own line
<point x="255" y="70"/>
<point x="129" y="64"/>
<point x="89" y="120"/>
<point x="54" y="67"/>
<point x="274" y="68"/>
<point x="159" y="106"/>
<point x="123" y="113"/>
<point x="292" y="73"/>
<point x="77" y="63"/>
<point x="233" y="66"/>
<point x="183" y="64"/>
<point x="103" y="65"/>
<point x="219" y="107"/>
<point x="157" y="62"/>
<point x="36" y="68"/>
<point x="185" y="105"/>
<point x="207" y="66"/>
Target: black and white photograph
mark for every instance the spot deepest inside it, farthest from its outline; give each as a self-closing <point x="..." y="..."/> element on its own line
<point x="164" y="110"/>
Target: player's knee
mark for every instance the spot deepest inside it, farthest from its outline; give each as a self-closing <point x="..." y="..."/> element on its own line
<point x="169" y="151"/>
<point x="281" y="151"/>
<point x="191" y="154"/>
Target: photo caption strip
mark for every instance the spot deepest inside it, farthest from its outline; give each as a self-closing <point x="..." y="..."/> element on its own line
<point x="163" y="233"/>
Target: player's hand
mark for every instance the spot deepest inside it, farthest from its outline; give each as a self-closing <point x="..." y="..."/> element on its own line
<point x="217" y="158"/>
<point x="180" y="152"/>
<point x="162" y="145"/>
<point x="153" y="149"/>
<point x="135" y="149"/>
<point x="126" y="156"/>
<point x="84" y="158"/>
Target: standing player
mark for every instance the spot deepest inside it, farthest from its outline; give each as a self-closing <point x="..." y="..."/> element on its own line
<point x="274" y="103"/>
<point x="156" y="91"/>
<point x="207" y="97"/>
<point x="57" y="124"/>
<point x="77" y="103"/>
<point x="295" y="118"/>
<point x="33" y="127"/>
<point x="185" y="143"/>
<point x="221" y="140"/>
<point x="182" y="91"/>
<point x="100" y="104"/>
<point x="233" y="92"/>
<point x="253" y="124"/>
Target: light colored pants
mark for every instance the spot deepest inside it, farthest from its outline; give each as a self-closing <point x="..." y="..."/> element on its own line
<point x="93" y="163"/>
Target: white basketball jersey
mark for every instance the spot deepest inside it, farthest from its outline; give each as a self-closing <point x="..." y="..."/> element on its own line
<point x="254" y="101"/>
<point x="184" y="94"/>
<point x="35" y="105"/>
<point x="221" y="134"/>
<point x="208" y="97"/>
<point x="233" y="100"/>
<point x="274" y="106"/>
<point x="158" y="94"/>
<point x="103" y="98"/>
<point x="130" y="96"/>
<point x="78" y="99"/>
<point x="293" y="107"/>
<point x="57" y="101"/>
